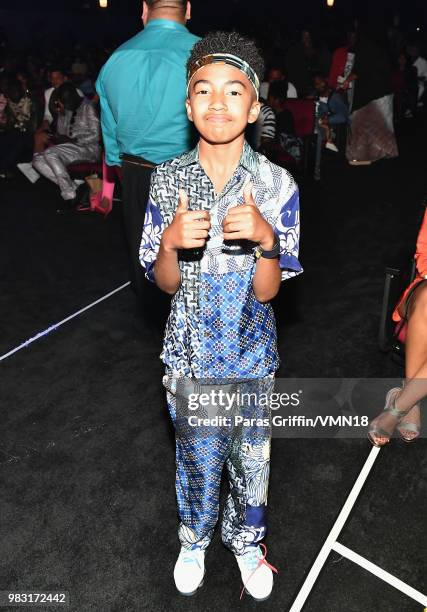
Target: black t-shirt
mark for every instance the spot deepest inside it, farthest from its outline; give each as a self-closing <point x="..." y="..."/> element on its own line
<point x="285" y="123"/>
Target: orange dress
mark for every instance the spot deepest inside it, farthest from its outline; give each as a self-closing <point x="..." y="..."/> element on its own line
<point x="421" y="260"/>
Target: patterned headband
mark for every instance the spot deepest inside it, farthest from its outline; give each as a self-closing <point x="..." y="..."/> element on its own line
<point x="224" y="58"/>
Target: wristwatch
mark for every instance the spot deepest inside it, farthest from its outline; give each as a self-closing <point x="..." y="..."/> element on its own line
<point x="275" y="251"/>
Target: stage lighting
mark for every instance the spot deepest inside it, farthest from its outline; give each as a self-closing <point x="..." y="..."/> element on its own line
<point x="103" y="3"/>
<point x="330" y="3"/>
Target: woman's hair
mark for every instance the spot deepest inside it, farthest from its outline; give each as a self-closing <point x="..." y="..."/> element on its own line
<point x="68" y="95"/>
<point x="229" y="42"/>
<point x="13" y="89"/>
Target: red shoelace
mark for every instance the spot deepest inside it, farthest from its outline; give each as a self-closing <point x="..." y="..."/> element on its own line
<point x="261" y="561"/>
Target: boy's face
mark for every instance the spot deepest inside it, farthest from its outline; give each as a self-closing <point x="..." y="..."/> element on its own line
<point x="275" y="74"/>
<point x="221" y="102"/>
<point x="320" y="85"/>
<point x="56" y="78"/>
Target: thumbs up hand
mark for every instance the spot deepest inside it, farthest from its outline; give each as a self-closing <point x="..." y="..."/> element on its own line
<point x="182" y="201"/>
<point x="245" y="222"/>
<point x="189" y="228"/>
<point x="247" y="195"/>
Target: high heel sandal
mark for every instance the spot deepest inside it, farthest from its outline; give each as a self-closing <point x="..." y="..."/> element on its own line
<point x="97" y="204"/>
<point x="408" y="426"/>
<point x="390" y="408"/>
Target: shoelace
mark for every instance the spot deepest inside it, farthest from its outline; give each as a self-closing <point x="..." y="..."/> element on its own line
<point x="254" y="561"/>
<point x="189" y="556"/>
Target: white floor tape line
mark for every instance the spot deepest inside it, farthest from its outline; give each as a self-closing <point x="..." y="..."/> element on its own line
<point x="334" y="533"/>
<point x="380" y="573"/>
<point x="56" y="325"/>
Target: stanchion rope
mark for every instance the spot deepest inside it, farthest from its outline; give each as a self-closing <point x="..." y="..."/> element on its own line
<point x="56" y="325"/>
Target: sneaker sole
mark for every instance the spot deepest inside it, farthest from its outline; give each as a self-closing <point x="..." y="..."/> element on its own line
<point x="258" y="598"/>
<point x="192" y="592"/>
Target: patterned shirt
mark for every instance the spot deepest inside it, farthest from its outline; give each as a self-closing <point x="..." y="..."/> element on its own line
<point x="217" y="328"/>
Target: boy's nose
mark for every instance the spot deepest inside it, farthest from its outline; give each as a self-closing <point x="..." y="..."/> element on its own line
<point x="218" y="102"/>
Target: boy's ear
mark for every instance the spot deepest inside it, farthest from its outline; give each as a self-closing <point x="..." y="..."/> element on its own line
<point x="254" y="112"/>
<point x="188" y="107"/>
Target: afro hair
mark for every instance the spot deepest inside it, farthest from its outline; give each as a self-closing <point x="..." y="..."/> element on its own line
<point x="229" y="42"/>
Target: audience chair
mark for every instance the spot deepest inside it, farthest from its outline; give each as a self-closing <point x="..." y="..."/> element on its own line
<point x="303" y="112"/>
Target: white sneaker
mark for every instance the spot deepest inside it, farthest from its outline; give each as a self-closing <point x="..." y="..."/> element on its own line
<point x="189" y="570"/>
<point x="257" y="575"/>
<point x="28" y="170"/>
<point x="332" y="147"/>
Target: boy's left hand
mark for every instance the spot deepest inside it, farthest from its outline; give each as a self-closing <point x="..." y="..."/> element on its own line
<point x="246" y="222"/>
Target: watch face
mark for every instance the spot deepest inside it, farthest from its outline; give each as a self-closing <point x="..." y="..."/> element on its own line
<point x="257" y="252"/>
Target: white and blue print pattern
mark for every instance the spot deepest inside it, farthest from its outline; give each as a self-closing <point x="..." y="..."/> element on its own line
<point x="196" y="342"/>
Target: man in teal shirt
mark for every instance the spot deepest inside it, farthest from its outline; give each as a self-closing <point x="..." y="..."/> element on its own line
<point x="142" y="90"/>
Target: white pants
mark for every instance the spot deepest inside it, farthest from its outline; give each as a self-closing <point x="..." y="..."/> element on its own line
<point x="53" y="163"/>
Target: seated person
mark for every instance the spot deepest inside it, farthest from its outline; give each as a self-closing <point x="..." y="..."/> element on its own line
<point x="57" y="77"/>
<point x="264" y="129"/>
<point x="402" y="408"/>
<point x="285" y="129"/>
<point x="332" y="110"/>
<point x="77" y="139"/>
<point x="405" y="87"/>
<point x="276" y="74"/>
<point x="18" y="119"/>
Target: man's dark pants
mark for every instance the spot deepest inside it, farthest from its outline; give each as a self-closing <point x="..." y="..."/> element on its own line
<point x="136" y="187"/>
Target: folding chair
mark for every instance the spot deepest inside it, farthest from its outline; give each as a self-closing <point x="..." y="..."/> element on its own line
<point x="396" y="282"/>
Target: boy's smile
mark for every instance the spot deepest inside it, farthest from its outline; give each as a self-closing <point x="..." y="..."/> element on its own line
<point x="221" y="103"/>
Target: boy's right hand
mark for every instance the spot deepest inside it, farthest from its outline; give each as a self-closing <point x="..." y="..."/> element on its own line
<point x="189" y="228"/>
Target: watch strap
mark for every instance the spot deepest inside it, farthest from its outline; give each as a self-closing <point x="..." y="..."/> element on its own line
<point x="272" y="254"/>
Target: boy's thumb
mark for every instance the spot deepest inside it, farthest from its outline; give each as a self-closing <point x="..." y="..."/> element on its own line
<point x="182" y="200"/>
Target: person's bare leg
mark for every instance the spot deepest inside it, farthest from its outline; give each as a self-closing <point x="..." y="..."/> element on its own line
<point x="40" y="141"/>
<point x="415" y="362"/>
<point x="415" y="369"/>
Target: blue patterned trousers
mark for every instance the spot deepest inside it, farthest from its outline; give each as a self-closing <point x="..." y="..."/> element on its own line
<point x="200" y="458"/>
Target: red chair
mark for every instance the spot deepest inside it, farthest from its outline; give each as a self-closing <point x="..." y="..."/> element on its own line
<point x="83" y="169"/>
<point x="303" y="112"/>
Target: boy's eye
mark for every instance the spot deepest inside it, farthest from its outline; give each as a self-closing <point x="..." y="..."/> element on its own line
<point x="234" y="92"/>
<point x="202" y="91"/>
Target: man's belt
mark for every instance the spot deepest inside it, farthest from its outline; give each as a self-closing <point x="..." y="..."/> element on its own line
<point x="139" y="161"/>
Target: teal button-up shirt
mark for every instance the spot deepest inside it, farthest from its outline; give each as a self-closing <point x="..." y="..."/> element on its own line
<point x="142" y="90"/>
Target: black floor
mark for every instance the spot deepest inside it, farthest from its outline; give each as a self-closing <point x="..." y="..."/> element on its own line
<point x="86" y="449"/>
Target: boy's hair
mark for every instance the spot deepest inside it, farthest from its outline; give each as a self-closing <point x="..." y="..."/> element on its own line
<point x="320" y="75"/>
<point x="56" y="68"/>
<point x="229" y="42"/>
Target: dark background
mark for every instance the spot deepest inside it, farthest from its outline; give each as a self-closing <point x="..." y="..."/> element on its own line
<point x="25" y="23"/>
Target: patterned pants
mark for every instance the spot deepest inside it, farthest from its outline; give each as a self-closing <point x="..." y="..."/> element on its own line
<point x="200" y="459"/>
<point x="53" y="163"/>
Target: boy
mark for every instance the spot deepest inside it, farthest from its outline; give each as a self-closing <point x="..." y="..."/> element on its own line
<point x="221" y="231"/>
<point x="332" y="112"/>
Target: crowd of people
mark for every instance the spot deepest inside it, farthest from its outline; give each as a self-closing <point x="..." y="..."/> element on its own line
<point x="48" y="117"/>
<point x="360" y="89"/>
